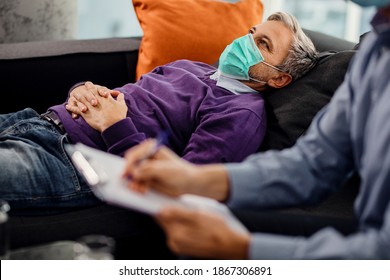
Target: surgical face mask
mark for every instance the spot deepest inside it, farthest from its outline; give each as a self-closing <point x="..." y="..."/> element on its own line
<point x="376" y="3"/>
<point x="239" y="56"/>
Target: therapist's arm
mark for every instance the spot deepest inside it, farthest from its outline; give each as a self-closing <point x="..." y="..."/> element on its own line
<point x="168" y="173"/>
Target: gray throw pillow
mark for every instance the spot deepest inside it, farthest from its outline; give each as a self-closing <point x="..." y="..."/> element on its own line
<point x="290" y="110"/>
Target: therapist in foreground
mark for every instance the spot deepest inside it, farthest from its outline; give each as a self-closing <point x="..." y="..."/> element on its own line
<point x="351" y="134"/>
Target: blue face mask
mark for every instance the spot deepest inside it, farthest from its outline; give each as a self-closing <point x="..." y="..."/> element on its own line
<point x="376" y="3"/>
<point x="239" y="56"/>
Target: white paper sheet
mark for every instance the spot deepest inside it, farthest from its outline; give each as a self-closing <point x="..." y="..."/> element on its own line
<point x="103" y="172"/>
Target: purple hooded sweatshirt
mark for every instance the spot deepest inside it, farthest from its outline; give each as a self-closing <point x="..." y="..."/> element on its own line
<point x="206" y="123"/>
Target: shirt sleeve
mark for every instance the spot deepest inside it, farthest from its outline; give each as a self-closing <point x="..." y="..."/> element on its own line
<point x="325" y="244"/>
<point x="243" y="128"/>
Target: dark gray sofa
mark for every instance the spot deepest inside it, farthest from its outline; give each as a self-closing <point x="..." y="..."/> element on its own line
<point x="39" y="74"/>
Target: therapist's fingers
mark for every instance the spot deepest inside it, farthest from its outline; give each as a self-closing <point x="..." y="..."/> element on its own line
<point x="171" y="176"/>
<point x="137" y="186"/>
<point x="134" y="159"/>
<point x="202" y="234"/>
<point x="191" y="232"/>
<point x="170" y="214"/>
<point x="169" y="218"/>
<point x="138" y="154"/>
<point x="135" y="155"/>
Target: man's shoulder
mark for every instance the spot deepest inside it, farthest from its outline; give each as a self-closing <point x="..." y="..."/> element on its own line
<point x="246" y="103"/>
<point x="190" y="64"/>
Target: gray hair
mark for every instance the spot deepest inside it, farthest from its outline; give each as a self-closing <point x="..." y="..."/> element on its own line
<point x="303" y="55"/>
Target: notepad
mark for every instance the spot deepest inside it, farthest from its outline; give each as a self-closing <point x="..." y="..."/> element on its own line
<point x="103" y="172"/>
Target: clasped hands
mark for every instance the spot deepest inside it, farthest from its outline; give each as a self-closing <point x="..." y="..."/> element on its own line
<point x="99" y="106"/>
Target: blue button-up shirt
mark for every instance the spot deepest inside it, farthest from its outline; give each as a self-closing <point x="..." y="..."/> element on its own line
<point x="351" y="133"/>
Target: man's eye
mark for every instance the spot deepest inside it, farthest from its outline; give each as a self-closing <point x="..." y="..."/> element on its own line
<point x="264" y="44"/>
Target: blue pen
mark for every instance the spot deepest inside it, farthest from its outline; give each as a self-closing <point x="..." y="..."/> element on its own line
<point x="161" y="139"/>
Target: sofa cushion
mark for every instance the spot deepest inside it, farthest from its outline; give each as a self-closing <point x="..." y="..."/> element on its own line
<point x="290" y="110"/>
<point x="193" y="29"/>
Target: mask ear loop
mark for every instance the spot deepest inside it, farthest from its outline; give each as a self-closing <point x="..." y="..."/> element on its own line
<point x="273" y="67"/>
<point x="269" y="65"/>
<point x="252" y="79"/>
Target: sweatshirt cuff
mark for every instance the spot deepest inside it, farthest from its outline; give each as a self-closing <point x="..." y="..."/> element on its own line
<point x="118" y="131"/>
<point x="122" y="135"/>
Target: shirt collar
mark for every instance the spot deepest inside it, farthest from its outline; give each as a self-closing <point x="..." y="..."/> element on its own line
<point x="231" y="85"/>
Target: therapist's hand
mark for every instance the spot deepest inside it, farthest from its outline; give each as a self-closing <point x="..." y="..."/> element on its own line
<point x="167" y="173"/>
<point x="201" y="234"/>
<point x="164" y="171"/>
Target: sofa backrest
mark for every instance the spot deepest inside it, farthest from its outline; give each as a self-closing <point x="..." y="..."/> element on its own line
<point x="39" y="74"/>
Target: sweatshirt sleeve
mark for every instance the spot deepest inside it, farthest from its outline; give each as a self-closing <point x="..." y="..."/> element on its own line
<point x="226" y="137"/>
<point x="121" y="136"/>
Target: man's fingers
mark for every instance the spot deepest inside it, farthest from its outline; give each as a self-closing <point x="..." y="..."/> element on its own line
<point x="89" y="85"/>
<point x="75" y="107"/>
<point x="85" y="95"/>
<point x="88" y="96"/>
<point x="103" y="91"/>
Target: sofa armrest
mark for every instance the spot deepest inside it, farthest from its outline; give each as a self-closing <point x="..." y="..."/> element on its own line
<point x="39" y="74"/>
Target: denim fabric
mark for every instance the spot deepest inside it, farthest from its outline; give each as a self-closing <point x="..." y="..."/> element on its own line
<point x="36" y="175"/>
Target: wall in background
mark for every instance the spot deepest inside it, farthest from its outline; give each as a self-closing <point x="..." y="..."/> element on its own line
<point x="33" y="20"/>
<point x="105" y="19"/>
<point x="37" y="20"/>
<point x="343" y="19"/>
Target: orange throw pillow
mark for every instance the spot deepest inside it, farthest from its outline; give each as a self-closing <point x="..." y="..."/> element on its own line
<point x="197" y="30"/>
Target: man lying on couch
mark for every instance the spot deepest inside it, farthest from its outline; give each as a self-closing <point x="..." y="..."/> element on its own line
<point x="213" y="116"/>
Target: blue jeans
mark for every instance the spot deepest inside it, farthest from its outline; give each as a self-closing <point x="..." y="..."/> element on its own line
<point x="36" y="175"/>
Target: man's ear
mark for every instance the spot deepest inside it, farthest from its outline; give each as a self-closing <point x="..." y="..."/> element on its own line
<point x="282" y="80"/>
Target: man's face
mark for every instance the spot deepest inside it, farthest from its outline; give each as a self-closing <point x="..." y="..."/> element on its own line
<point x="273" y="39"/>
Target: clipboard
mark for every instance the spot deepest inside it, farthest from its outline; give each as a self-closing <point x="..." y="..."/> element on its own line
<point x="103" y="171"/>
